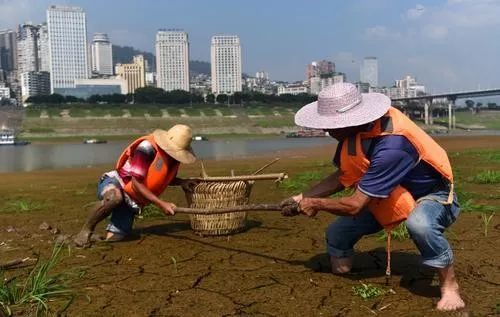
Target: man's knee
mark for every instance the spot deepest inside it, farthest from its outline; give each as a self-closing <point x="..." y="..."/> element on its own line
<point x="418" y="225"/>
<point x="111" y="197"/>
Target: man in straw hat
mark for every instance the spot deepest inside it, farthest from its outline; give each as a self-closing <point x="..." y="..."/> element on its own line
<point x="397" y="173"/>
<point x="143" y="171"/>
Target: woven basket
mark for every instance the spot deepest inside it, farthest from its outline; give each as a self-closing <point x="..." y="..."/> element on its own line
<point x="219" y="194"/>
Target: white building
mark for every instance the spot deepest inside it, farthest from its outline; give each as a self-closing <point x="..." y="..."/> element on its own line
<point x="317" y="84"/>
<point x="293" y="89"/>
<point x="226" y="64"/>
<point x="172" y="60"/>
<point x="4" y="91"/>
<point x="102" y="54"/>
<point x="369" y="71"/>
<point x="27" y="48"/>
<point x="34" y="83"/>
<point x="410" y="83"/>
<point x="67" y="28"/>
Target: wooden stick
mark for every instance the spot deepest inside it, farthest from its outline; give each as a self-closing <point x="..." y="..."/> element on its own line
<point x="215" y="211"/>
<point x="275" y="176"/>
<point x="13" y="263"/>
<point x="266" y="166"/>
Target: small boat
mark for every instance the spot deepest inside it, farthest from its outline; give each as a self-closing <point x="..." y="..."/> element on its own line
<point x="7" y="137"/>
<point x="94" y="141"/>
<point x="307" y="133"/>
<point x="199" y="138"/>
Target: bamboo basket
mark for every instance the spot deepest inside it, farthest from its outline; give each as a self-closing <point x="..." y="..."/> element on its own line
<point x="213" y="194"/>
<point x="222" y="192"/>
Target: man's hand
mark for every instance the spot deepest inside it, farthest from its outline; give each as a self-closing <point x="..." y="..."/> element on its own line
<point x="290" y="206"/>
<point x="167" y="208"/>
<point x="308" y="207"/>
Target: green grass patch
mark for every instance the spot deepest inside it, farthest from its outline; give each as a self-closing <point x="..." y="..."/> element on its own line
<point x="78" y="112"/>
<point x="174" y="112"/>
<point x="151" y="211"/>
<point x="301" y="181"/>
<point x="116" y="112"/>
<point x="275" y="122"/>
<point x="23" y="205"/>
<point x="40" y="130"/>
<point x="487" y="177"/>
<point x="99" y="112"/>
<point x="154" y="111"/>
<point x="192" y="112"/>
<point x="367" y="291"/>
<point x="399" y="233"/>
<point x="137" y="111"/>
<point x="39" y="291"/>
<point x="53" y="112"/>
<point x="209" y="112"/>
<point x="33" y="112"/>
<point x="225" y="111"/>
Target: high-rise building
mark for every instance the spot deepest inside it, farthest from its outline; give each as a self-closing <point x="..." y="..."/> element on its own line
<point x="34" y="83"/>
<point x="226" y="64"/>
<point x="43" y="48"/>
<point x="133" y="73"/>
<point x="8" y="54"/>
<point x="68" y="47"/>
<point x="102" y="55"/>
<point x="369" y="71"/>
<point x="323" y="69"/>
<point x="27" y="48"/>
<point x="172" y="60"/>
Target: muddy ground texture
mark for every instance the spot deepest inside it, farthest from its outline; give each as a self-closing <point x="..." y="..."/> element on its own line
<point x="276" y="267"/>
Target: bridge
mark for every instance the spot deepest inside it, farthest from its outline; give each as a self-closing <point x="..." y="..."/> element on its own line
<point x="451" y="98"/>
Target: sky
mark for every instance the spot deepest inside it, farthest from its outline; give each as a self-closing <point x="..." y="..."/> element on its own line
<point x="447" y="45"/>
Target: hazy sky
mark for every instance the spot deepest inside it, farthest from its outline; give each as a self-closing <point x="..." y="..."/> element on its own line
<point x="447" y="45"/>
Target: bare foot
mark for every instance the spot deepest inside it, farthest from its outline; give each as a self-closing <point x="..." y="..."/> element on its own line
<point x="341" y="265"/>
<point x="450" y="300"/>
<point x="114" y="237"/>
<point x="82" y="239"/>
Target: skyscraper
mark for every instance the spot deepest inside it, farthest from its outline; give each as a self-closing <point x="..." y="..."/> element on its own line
<point x="27" y="48"/>
<point x="172" y="60"/>
<point x="68" y="47"/>
<point x="369" y="71"/>
<point x="43" y="48"/>
<point x="102" y="55"/>
<point x="8" y="55"/>
<point x="226" y="64"/>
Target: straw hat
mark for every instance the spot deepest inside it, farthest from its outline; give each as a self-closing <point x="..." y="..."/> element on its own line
<point x="176" y="142"/>
<point x="341" y="105"/>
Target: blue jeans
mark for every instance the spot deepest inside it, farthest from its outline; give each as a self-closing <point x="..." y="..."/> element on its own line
<point x="425" y="224"/>
<point x="122" y="216"/>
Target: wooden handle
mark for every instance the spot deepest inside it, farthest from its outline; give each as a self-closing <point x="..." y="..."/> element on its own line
<point x="214" y="211"/>
<point x="275" y="176"/>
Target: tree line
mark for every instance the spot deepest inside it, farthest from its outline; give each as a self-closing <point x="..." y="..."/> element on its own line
<point x="153" y="95"/>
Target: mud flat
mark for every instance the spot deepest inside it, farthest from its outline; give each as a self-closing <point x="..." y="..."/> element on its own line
<point x="277" y="267"/>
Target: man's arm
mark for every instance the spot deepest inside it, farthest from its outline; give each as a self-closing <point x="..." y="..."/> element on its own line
<point x="328" y="186"/>
<point x="344" y="206"/>
<point x="166" y="207"/>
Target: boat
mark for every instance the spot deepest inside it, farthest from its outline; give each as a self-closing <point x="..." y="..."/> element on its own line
<point x="307" y="133"/>
<point x="7" y="137"/>
<point x="199" y="138"/>
<point x="94" y="141"/>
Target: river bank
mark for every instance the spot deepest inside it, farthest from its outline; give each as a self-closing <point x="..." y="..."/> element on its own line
<point x="277" y="266"/>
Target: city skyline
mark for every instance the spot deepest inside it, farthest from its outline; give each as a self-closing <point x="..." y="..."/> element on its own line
<point x="441" y="43"/>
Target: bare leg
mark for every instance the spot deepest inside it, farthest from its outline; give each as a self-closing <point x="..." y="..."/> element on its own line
<point x="341" y="265"/>
<point x="450" y="296"/>
<point x="111" y="199"/>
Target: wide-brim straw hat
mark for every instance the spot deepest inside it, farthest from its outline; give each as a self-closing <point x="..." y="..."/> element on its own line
<point x="176" y="142"/>
<point x="341" y="105"/>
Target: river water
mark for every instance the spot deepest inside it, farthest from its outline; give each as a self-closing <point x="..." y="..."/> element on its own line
<point x="53" y="156"/>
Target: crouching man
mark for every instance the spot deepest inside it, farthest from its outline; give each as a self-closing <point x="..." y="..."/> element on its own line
<point x="397" y="172"/>
<point x="143" y="171"/>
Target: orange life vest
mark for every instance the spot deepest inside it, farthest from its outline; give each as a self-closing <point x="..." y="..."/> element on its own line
<point x="390" y="211"/>
<point x="161" y="172"/>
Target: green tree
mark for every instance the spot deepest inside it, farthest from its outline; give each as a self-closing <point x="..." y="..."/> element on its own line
<point x="210" y="98"/>
<point x="221" y="98"/>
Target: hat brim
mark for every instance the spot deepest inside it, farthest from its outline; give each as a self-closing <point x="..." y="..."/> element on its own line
<point x="372" y="107"/>
<point x="185" y="156"/>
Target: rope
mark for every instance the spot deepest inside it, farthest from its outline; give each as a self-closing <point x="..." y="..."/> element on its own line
<point x="388" y="266"/>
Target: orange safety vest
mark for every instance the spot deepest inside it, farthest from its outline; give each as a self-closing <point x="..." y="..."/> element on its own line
<point x="389" y="212"/>
<point x="161" y="172"/>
